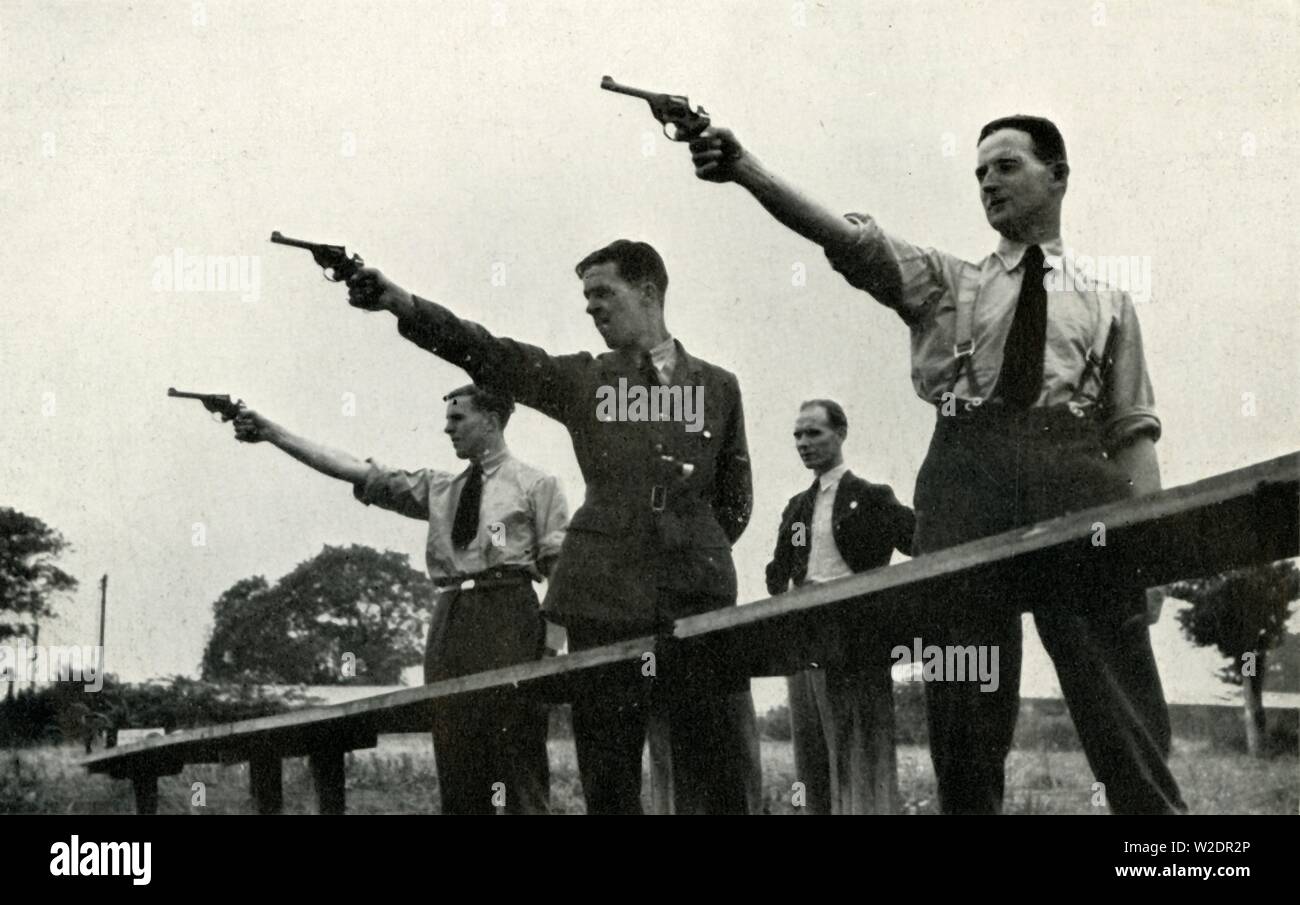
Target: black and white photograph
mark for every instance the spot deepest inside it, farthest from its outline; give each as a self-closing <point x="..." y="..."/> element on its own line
<point x="762" y="407"/>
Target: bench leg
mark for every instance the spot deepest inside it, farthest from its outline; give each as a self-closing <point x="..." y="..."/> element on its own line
<point x="146" y="794"/>
<point x="658" y="734"/>
<point x="266" y="783"/>
<point x="327" y="773"/>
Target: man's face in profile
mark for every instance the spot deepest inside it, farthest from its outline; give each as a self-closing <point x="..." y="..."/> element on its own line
<point x="469" y="428"/>
<point x="1016" y="188"/>
<point x="619" y="309"/>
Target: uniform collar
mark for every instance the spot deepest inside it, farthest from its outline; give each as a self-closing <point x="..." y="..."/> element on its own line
<point x="664" y="350"/>
<point x="832" y="477"/>
<point x="684" y="366"/>
<point x="492" y="461"/>
<point x="1010" y="252"/>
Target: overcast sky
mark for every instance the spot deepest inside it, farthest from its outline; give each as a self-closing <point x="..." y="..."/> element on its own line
<point x="466" y="149"/>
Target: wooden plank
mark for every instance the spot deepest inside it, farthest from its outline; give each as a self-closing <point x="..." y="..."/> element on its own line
<point x="327" y="772"/>
<point x="266" y="782"/>
<point x="659" y="738"/>
<point x="1248" y="516"/>
<point x="408" y="710"/>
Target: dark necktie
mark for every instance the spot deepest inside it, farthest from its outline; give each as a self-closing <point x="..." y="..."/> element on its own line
<point x="465" y="525"/>
<point x="1022" y="362"/>
<point x="650" y="372"/>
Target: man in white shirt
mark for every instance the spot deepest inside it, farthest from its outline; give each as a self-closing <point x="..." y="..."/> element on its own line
<point x="1041" y="411"/>
<point x="494" y="529"/>
<point x="841" y="715"/>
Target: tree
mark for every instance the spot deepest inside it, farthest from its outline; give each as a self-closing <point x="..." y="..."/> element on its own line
<point x="347" y="612"/>
<point x="29" y="579"/>
<point x="1243" y="614"/>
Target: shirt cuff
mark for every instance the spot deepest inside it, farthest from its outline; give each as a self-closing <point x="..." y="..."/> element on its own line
<point x="853" y="258"/>
<point x="1130" y="424"/>
<point x="364" y="490"/>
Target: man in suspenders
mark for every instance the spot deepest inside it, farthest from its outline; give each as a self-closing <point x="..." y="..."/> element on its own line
<point x="1042" y="409"/>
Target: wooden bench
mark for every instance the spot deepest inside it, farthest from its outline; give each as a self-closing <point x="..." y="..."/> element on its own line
<point x="1244" y="517"/>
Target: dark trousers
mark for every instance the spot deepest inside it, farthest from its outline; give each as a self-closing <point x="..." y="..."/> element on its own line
<point x="989" y="473"/>
<point x="490" y="746"/>
<point x="711" y="726"/>
<point x="812" y="765"/>
<point x="842" y="727"/>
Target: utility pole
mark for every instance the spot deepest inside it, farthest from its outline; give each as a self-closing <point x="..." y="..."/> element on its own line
<point x="103" y="608"/>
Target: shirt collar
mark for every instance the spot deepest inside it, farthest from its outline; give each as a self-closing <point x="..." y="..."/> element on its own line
<point x="1010" y="252"/>
<point x="492" y="461"/>
<point x="665" y="353"/>
<point x="832" y="477"/>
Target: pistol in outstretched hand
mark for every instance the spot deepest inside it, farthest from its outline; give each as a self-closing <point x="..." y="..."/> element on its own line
<point x="333" y="259"/>
<point x="670" y="109"/>
<point x="218" y="405"/>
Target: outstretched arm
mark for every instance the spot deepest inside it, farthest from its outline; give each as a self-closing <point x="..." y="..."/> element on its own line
<point x="252" y="427"/>
<point x="896" y="273"/>
<point x="719" y="157"/>
<point x="528" y="374"/>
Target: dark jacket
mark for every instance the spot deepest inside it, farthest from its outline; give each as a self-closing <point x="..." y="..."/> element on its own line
<point x="643" y="528"/>
<point x="867" y="521"/>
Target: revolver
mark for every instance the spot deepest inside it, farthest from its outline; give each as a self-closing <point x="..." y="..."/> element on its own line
<point x="670" y="109"/>
<point x="218" y="405"/>
<point x="332" y="258"/>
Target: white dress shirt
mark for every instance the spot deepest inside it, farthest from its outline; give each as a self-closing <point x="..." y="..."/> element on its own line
<point x="824" y="560"/>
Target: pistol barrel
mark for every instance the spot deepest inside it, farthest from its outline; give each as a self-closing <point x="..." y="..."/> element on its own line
<point x="279" y="239"/>
<point x="610" y="85"/>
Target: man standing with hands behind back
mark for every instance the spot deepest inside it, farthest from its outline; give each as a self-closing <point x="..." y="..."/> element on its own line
<point x="842" y="714"/>
<point x="1041" y="410"/>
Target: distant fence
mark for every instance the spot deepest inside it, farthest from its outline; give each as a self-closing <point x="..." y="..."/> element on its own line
<point x="1240" y="518"/>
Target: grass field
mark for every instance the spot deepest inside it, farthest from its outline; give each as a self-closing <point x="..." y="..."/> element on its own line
<point x="398" y="777"/>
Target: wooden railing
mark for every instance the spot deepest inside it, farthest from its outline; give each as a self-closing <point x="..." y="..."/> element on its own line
<point x="1240" y="518"/>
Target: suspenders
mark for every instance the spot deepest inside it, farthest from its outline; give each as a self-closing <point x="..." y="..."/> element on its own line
<point x="968" y="288"/>
<point x="1099" y="356"/>
<point x="1096" y="366"/>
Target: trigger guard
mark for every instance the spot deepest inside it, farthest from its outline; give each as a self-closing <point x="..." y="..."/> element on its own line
<point x="671" y="136"/>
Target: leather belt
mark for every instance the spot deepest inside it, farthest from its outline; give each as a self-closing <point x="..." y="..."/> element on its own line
<point x="488" y="578"/>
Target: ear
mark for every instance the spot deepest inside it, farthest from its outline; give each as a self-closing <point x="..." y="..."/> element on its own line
<point x="1061" y="171"/>
<point x="649" y="292"/>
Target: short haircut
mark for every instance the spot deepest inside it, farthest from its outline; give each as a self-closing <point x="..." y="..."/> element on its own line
<point x="835" y="416"/>
<point x="1049" y="146"/>
<point x="485" y="400"/>
<point x="637" y="261"/>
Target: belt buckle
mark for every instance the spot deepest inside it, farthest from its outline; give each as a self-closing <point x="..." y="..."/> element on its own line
<point x="658" y="498"/>
<point x="467" y="585"/>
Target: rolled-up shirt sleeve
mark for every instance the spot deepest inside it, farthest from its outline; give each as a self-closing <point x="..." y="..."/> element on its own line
<point x="550" y="516"/>
<point x="404" y="492"/>
<point x="1130" y="402"/>
<point x="895" y="273"/>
